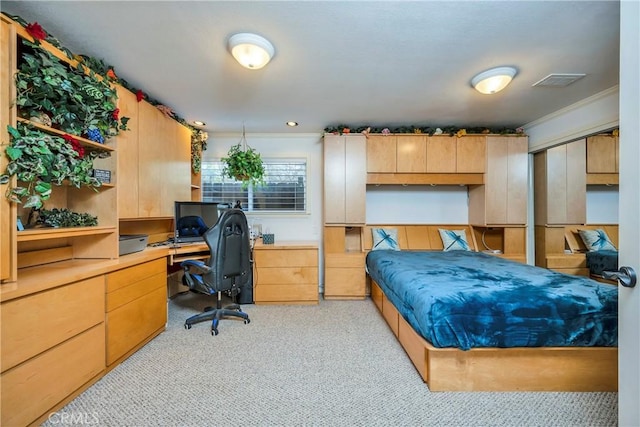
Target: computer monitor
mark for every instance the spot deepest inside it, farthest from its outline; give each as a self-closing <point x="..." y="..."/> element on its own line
<point x="193" y="219"/>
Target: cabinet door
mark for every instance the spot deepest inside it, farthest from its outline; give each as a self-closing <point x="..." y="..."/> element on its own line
<point x="566" y="184"/>
<point x="381" y="154"/>
<point x="355" y="179"/>
<point x="441" y="154"/>
<point x="576" y="182"/>
<point x="151" y="137"/>
<point x="471" y="154"/>
<point x="411" y="153"/>
<point x="503" y="197"/>
<point x="517" y="178"/>
<point x="602" y="154"/>
<point x="334" y="179"/>
<point x="127" y="145"/>
<point x="179" y="167"/>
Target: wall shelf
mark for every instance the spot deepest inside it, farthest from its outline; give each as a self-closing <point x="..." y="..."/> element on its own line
<point x="58" y="233"/>
<point x="85" y="142"/>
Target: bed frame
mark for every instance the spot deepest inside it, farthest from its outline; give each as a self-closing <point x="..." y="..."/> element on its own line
<point x="492" y="369"/>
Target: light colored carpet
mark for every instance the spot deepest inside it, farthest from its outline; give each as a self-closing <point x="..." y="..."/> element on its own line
<point x="333" y="364"/>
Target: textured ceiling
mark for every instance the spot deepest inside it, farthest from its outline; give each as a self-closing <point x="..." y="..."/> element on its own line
<point x="354" y="62"/>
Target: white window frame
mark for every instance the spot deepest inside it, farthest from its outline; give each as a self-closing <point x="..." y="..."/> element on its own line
<point x="249" y="206"/>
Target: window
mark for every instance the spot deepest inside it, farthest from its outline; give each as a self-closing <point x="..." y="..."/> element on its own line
<point x="285" y="188"/>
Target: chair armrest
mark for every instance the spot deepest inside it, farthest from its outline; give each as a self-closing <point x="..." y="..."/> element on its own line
<point x="195" y="264"/>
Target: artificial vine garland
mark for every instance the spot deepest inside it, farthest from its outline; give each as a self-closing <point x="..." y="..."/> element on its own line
<point x="429" y="130"/>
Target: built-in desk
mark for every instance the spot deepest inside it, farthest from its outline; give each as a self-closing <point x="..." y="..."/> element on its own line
<point x="64" y="325"/>
<point x="184" y="251"/>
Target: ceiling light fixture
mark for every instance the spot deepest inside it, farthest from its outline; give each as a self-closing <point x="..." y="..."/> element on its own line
<point x="251" y="50"/>
<point x="198" y="123"/>
<point x="493" y="80"/>
<point x="292" y="124"/>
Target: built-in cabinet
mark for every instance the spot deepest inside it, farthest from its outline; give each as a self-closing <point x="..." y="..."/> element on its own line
<point x="562" y="175"/>
<point x="560" y="185"/>
<point x="418" y="153"/>
<point x="493" y="166"/>
<point x="345" y="179"/>
<point x="344" y="259"/>
<point x="71" y="308"/>
<point x="155" y="163"/>
<point x="136" y="307"/>
<point x="602" y="159"/>
<point x="502" y="199"/>
<point x="52" y="346"/>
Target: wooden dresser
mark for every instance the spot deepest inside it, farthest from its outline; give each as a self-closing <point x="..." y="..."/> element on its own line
<point x="285" y="273"/>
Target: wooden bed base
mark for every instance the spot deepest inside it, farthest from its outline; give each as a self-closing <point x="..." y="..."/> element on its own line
<point x="502" y="369"/>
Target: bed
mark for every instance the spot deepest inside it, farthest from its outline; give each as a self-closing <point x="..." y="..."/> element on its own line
<point x="459" y="318"/>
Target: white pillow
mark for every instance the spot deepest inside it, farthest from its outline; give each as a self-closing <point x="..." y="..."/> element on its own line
<point x="596" y="240"/>
<point x="454" y="240"/>
<point x="385" y="238"/>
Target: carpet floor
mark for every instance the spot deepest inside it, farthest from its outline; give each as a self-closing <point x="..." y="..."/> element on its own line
<point x="334" y="364"/>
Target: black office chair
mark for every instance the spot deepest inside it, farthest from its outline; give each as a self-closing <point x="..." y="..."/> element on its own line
<point x="228" y="268"/>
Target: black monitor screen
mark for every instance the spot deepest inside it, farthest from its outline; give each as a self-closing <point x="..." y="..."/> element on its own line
<point x="193" y="219"/>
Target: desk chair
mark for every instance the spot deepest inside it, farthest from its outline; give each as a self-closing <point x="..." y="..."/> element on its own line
<point x="227" y="270"/>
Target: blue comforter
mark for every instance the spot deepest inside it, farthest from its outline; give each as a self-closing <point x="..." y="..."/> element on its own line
<point x="468" y="299"/>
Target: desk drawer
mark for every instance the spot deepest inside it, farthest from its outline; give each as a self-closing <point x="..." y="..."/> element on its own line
<point x="127" y="276"/>
<point x="36" y="386"/>
<point x="131" y="324"/>
<point x="126" y="294"/>
<point x="35" y="323"/>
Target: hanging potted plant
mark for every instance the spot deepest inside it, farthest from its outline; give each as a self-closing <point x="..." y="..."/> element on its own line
<point x="244" y="164"/>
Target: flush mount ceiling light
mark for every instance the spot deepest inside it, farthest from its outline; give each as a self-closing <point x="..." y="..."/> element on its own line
<point x="251" y="50"/>
<point x="292" y="124"/>
<point x="493" y="80"/>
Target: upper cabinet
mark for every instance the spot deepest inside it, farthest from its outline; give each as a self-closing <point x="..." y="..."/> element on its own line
<point x="154" y="165"/>
<point x="502" y="199"/>
<point x="560" y="184"/>
<point x="602" y="159"/>
<point x="381" y="153"/>
<point x="424" y="159"/>
<point x="345" y="178"/>
<point x="602" y="154"/>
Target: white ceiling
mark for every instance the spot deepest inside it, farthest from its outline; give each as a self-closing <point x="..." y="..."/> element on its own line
<point x="381" y="63"/>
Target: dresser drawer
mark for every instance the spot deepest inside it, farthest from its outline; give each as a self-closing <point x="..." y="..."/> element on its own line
<point x="127" y="276"/>
<point x="345" y="260"/>
<point x="35" y="323"/>
<point x="286" y="258"/>
<point x="344" y="282"/>
<point x="36" y="386"/>
<point x="286" y="293"/>
<point x="286" y="275"/>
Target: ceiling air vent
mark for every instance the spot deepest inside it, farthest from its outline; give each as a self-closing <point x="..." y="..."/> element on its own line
<point x="558" y="80"/>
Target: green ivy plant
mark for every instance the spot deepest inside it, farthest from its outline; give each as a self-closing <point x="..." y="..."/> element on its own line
<point x="76" y="100"/>
<point x="39" y="160"/>
<point x="65" y="218"/>
<point x="198" y="144"/>
<point x="244" y="164"/>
